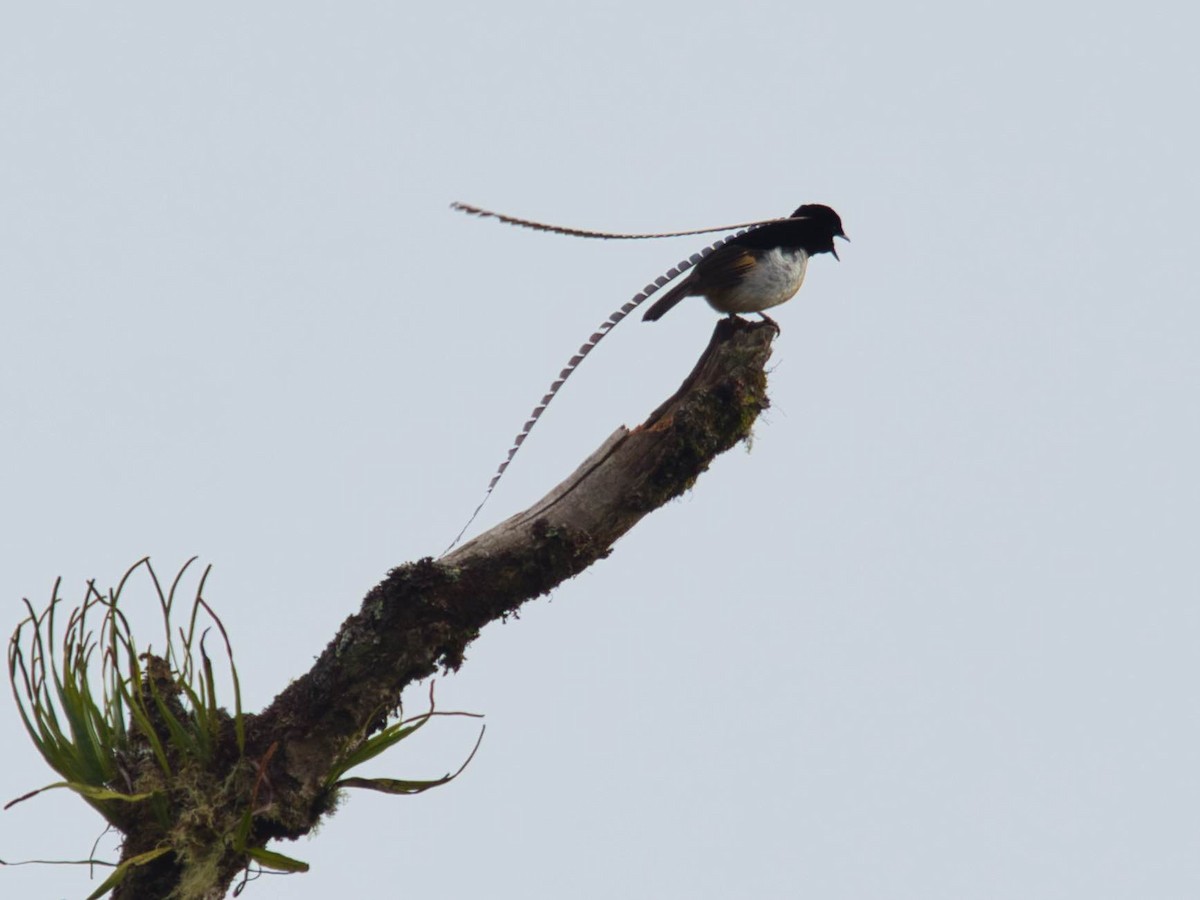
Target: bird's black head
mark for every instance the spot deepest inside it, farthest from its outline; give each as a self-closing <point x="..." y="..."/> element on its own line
<point x="824" y="226"/>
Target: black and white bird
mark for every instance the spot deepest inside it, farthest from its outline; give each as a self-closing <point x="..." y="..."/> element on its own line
<point x="759" y="269"/>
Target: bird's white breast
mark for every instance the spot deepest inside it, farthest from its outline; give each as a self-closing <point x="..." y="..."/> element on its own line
<point x="774" y="280"/>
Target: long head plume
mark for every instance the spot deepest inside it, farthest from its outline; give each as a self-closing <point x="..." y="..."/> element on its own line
<point x="605" y="327"/>
<point x="607" y="235"/>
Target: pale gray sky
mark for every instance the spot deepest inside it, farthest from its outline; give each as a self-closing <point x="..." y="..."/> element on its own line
<point x="934" y="637"/>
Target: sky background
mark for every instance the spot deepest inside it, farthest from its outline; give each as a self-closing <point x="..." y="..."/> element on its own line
<point x="934" y="636"/>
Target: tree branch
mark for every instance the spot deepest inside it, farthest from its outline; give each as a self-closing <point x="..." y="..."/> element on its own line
<point x="424" y="614"/>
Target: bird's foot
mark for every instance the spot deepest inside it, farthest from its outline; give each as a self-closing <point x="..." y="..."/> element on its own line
<point x="770" y="321"/>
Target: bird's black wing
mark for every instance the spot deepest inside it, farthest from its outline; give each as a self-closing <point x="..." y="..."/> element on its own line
<point x="725" y="267"/>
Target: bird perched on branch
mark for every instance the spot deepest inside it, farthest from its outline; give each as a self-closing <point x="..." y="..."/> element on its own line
<point x="760" y="266"/>
<point x="759" y="269"/>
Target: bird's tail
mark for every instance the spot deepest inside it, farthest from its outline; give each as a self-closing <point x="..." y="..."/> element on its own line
<point x="662" y="306"/>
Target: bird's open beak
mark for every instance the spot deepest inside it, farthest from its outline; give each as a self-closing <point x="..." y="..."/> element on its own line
<point x="834" y="251"/>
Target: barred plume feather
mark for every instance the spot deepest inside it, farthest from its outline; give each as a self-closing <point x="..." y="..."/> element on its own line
<point x="603" y="235"/>
<point x="573" y="363"/>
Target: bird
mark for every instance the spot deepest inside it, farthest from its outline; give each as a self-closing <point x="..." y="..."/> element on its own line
<point x="758" y="269"/>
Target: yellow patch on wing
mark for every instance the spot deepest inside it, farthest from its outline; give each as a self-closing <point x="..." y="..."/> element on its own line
<point x="743" y="263"/>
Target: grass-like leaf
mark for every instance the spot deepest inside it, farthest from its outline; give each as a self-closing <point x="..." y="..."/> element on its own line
<point x="367" y="748"/>
<point x="124" y="869"/>
<point x="88" y="702"/>
<point x="84" y="790"/>
<point x="277" y="861"/>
